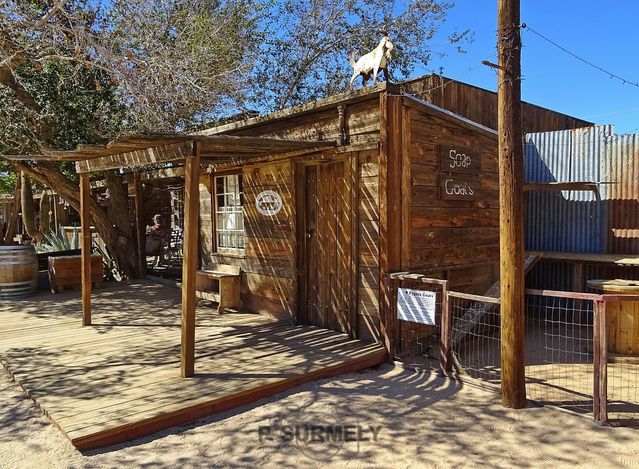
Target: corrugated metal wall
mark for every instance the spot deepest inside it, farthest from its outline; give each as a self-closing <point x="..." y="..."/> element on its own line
<point x="571" y="221"/>
<point x="621" y="168"/>
<point x="581" y="221"/>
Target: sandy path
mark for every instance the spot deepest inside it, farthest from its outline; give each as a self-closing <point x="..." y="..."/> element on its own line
<point x="425" y="422"/>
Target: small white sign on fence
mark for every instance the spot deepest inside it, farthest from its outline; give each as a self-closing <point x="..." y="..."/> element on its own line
<point x="416" y="305"/>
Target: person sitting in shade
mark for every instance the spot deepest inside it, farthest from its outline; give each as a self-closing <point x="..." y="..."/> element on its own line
<point x="157" y="239"/>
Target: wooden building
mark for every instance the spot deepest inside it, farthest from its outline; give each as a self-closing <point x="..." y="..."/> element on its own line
<point x="314" y="206"/>
<point x="408" y="186"/>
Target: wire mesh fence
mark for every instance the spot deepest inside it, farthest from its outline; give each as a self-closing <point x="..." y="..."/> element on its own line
<point x="581" y="349"/>
<point x="559" y="350"/>
<point x="475" y="337"/>
<point x="418" y="344"/>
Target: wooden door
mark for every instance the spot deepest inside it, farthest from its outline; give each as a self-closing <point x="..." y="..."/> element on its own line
<point x="326" y="246"/>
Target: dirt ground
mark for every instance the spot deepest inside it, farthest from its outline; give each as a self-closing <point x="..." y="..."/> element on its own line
<point x="419" y="420"/>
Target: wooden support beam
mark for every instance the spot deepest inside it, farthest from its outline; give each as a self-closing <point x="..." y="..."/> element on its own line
<point x="190" y="260"/>
<point x="85" y="223"/>
<point x="54" y="202"/>
<point x="560" y="186"/>
<point x="511" y="205"/>
<point x="446" y="350"/>
<point x="588" y="257"/>
<point x="140" y="223"/>
<point x="390" y="211"/>
<point x="600" y="358"/>
<point x="354" y="181"/>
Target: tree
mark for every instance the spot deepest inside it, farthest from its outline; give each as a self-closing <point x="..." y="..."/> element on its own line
<point x="85" y="71"/>
<point x="305" y="54"/>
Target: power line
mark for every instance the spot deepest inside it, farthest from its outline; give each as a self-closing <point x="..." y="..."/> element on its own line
<point x="441" y="85"/>
<point x="601" y="69"/>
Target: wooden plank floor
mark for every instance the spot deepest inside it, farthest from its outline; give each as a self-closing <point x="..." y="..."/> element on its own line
<point x="120" y="378"/>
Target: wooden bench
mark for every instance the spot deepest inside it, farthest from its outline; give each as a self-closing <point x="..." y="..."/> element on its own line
<point x="227" y="293"/>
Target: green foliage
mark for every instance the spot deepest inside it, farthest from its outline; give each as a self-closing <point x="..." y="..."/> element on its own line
<point x="186" y="59"/>
<point x="305" y="55"/>
<point x="111" y="271"/>
<point x="78" y="105"/>
<point x="7" y="177"/>
<point x="59" y="241"/>
<point x="170" y="65"/>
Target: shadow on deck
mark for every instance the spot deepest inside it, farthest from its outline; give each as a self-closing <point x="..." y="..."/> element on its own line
<point x="119" y="379"/>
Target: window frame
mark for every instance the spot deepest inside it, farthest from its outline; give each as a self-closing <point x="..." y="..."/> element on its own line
<point x="224" y="250"/>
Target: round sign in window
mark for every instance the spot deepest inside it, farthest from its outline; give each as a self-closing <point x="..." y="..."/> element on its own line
<point x="268" y="203"/>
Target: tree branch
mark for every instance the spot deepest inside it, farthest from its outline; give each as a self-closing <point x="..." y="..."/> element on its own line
<point x="9" y="80"/>
<point x="48" y="15"/>
<point x="302" y="70"/>
<point x="65" y="58"/>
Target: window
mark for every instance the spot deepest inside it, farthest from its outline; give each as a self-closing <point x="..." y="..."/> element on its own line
<point x="229" y="221"/>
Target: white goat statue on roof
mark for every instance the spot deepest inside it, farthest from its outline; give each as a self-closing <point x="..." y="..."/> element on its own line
<point x="371" y="63"/>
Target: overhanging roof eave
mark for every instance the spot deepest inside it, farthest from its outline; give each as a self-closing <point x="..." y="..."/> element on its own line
<point x="143" y="151"/>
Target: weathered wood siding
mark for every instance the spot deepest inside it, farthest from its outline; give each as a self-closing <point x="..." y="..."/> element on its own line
<point x="361" y="124"/>
<point x="268" y="262"/>
<point x="449" y="234"/>
<point x="480" y="105"/>
<point x="270" y="242"/>
<point x="269" y="280"/>
<point x="368" y="245"/>
<point x="456" y="240"/>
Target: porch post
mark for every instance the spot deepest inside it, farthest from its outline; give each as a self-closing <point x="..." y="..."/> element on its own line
<point x="85" y="223"/>
<point x="140" y="223"/>
<point x="189" y="263"/>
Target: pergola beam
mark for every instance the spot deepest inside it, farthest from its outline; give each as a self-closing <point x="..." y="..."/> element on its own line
<point x="145" y="150"/>
<point x="560" y="186"/>
<point x="154" y="155"/>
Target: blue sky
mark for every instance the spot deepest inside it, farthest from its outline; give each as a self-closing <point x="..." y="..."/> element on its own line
<point x="605" y="33"/>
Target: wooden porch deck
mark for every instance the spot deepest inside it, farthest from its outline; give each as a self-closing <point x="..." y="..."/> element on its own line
<point x="119" y="379"/>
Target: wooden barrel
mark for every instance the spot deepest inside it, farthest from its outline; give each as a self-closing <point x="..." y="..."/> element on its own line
<point x="18" y="271"/>
<point x="622" y="317"/>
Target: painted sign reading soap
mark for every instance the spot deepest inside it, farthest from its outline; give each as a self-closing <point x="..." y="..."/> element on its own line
<point x="459" y="159"/>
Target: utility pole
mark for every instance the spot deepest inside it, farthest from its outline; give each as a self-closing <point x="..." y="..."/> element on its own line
<point x="511" y="206"/>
